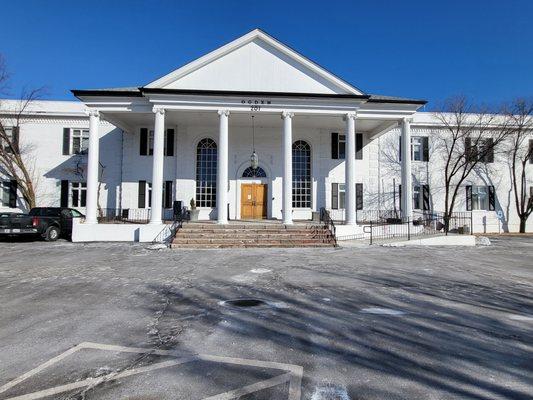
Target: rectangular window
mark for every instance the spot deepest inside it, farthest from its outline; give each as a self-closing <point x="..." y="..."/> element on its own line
<point x="78" y="194"/>
<point x="342" y="147"/>
<point x="417" y="198"/>
<point x="338" y="196"/>
<point x="480" y="151"/>
<point x="417" y="151"/>
<point x="342" y="195"/>
<point x="147" y="142"/>
<point x="79" y="141"/>
<point x="5" y="189"/>
<point x="8" y="131"/>
<point x="338" y="146"/>
<point x="480" y="198"/>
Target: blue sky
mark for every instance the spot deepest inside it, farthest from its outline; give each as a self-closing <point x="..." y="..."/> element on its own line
<point x="421" y="49"/>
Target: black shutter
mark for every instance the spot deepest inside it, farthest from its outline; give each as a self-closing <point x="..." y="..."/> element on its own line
<point x="469" y="198"/>
<point x="64" y="194"/>
<point x="334" y="145"/>
<point x="167" y="202"/>
<point x="531" y="151"/>
<point x="359" y="146"/>
<point x="489" y="150"/>
<point x="141" y="203"/>
<point x="358" y="196"/>
<point x="400" y="149"/>
<point x="334" y="196"/>
<point x="15" y="139"/>
<point x="13" y="186"/>
<point x="425" y="148"/>
<point x="143" y="142"/>
<point x="170" y="143"/>
<point x="425" y="198"/>
<point x="492" y="198"/>
<point x="400" y="197"/>
<point x="468" y="149"/>
<point x="66" y="141"/>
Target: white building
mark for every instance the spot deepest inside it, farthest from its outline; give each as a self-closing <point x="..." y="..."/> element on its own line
<point x="190" y="135"/>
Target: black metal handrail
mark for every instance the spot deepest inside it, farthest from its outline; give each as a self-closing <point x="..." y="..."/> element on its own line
<point x="325" y="218"/>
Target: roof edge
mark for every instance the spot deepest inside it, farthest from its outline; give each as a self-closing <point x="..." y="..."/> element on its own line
<point x="103" y="92"/>
<point x="251" y="93"/>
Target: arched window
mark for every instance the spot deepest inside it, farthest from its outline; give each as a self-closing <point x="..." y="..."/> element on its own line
<point x="206" y="173"/>
<point x="254" y="173"/>
<point x="301" y="174"/>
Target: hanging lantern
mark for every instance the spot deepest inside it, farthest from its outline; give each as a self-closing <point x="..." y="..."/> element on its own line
<point x="254" y="160"/>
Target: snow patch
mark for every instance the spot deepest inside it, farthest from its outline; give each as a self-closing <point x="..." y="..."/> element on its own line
<point x="483" y="241"/>
<point x="330" y="392"/>
<point x="260" y="271"/>
<point x="382" y="311"/>
<point x="157" y="246"/>
<point x="518" y="317"/>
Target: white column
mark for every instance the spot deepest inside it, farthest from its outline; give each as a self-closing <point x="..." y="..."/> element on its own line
<point x="222" y="168"/>
<point x="92" y="167"/>
<point x="287" y="167"/>
<point x="349" y="165"/>
<point x="407" y="180"/>
<point x="157" y="166"/>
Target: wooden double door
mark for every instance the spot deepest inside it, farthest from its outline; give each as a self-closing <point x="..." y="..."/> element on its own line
<point x="253" y="201"/>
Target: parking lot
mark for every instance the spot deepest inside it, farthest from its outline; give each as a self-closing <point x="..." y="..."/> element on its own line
<point x="110" y="321"/>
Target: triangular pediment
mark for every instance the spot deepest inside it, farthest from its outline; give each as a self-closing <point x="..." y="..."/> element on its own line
<point x="255" y="62"/>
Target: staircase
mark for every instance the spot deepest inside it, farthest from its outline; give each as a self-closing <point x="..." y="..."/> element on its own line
<point x="211" y="235"/>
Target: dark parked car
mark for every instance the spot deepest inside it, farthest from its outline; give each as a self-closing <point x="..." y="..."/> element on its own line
<point x="49" y="223"/>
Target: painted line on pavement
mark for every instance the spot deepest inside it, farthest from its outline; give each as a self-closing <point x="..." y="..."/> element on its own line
<point x="293" y="376"/>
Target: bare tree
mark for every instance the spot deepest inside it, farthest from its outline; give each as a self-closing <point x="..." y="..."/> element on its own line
<point x="16" y="160"/>
<point x="467" y="138"/>
<point x="520" y="113"/>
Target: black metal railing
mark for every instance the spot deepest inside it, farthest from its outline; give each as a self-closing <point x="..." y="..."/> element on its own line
<point x="133" y="215"/>
<point x="367" y="216"/>
<point x="168" y="232"/>
<point x="325" y="218"/>
<point x="422" y="224"/>
<point x="456" y="222"/>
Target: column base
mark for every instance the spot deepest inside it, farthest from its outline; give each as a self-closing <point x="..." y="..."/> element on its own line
<point x="156" y="222"/>
<point x="222" y="222"/>
<point x="90" y="222"/>
<point x="288" y="222"/>
<point x="350" y="223"/>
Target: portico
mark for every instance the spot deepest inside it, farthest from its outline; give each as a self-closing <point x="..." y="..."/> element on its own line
<point x="293" y="130"/>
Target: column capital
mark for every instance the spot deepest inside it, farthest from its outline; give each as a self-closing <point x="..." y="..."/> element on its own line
<point x="223" y="112"/>
<point x="92" y="112"/>
<point x="407" y="119"/>
<point x="350" y="115"/>
<point x="286" y="114"/>
<point x="158" y="110"/>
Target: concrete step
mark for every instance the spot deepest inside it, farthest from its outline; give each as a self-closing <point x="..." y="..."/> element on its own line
<point x="194" y="225"/>
<point x="244" y="235"/>
<point x="248" y="231"/>
<point x="243" y="241"/>
<point x="254" y="245"/>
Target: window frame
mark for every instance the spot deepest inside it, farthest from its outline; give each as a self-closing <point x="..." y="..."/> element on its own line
<point x="341" y="139"/>
<point x="302" y="188"/>
<point x="5" y="188"/>
<point x="9" y="135"/>
<point x="78" y="192"/>
<point x="206" y="170"/>
<point x="83" y="137"/>
<point x="475" y="197"/>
